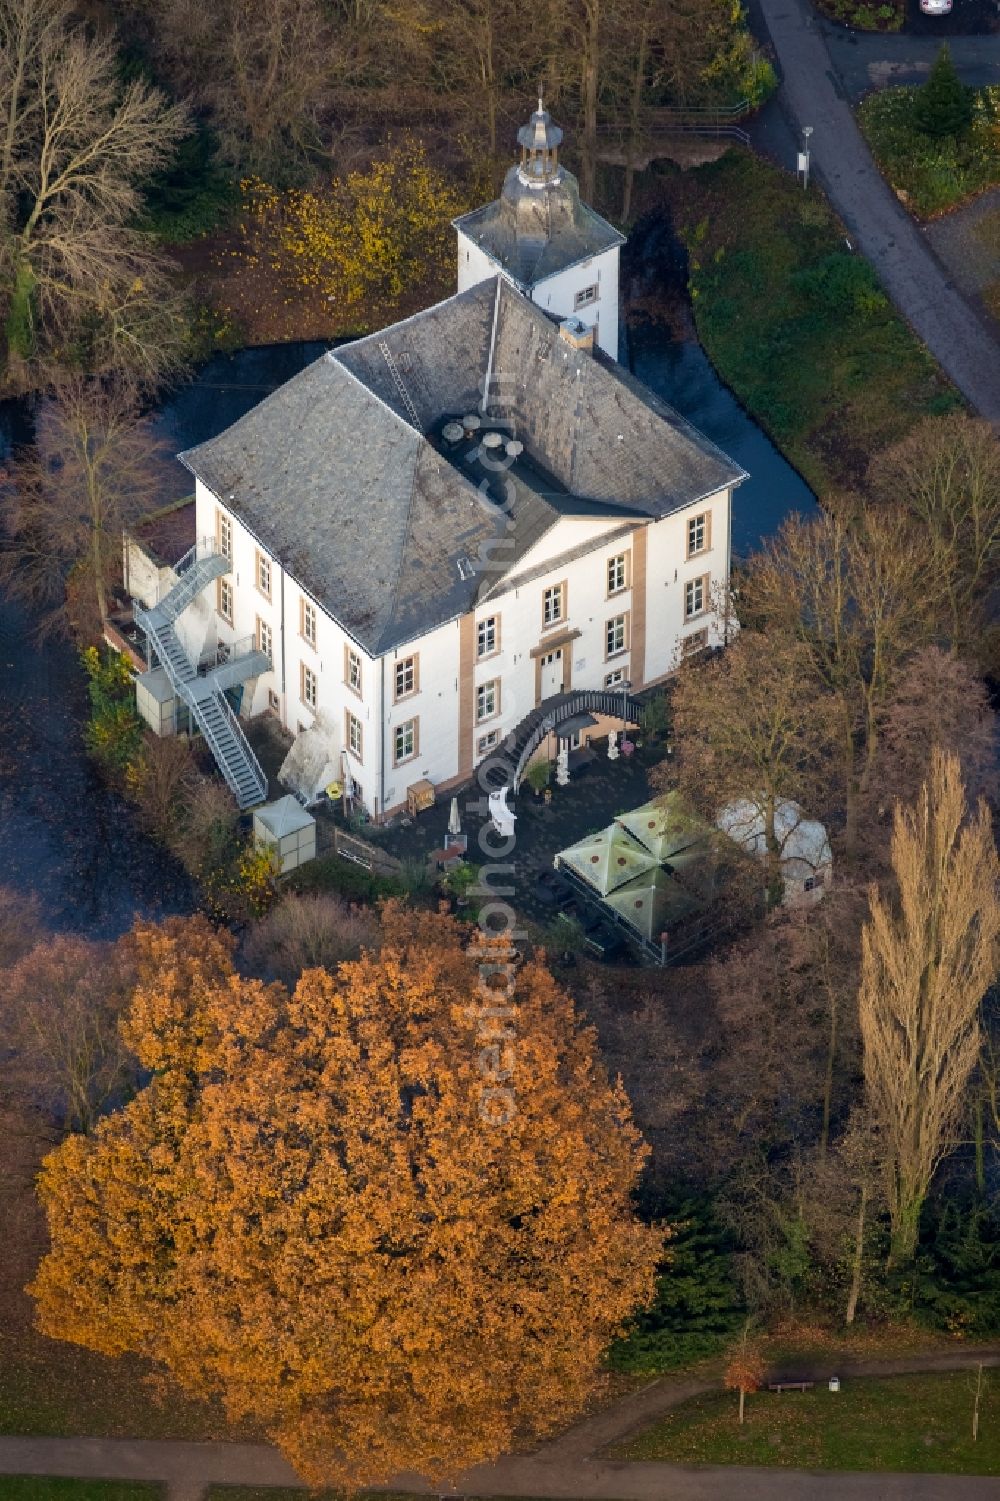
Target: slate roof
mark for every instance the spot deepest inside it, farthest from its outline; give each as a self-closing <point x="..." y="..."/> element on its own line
<point x="536" y="232"/>
<point x="385" y="529"/>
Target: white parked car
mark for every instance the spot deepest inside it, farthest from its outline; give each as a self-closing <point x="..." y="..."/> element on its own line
<point x="935" y="7"/>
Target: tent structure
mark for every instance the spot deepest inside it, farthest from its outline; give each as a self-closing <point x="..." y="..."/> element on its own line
<point x="607" y="860"/>
<point x="806" y="856"/>
<point x="664" y="826"/>
<point x="652" y="902"/>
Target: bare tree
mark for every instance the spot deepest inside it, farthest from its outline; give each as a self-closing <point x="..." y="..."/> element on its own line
<point x="750" y="728"/>
<point x="309" y="931"/>
<point x="927" y="960"/>
<point x="20" y="925"/>
<point x="860" y="592"/>
<point x="946" y="472"/>
<point x="61" y="1003"/>
<point x="77" y="144"/>
<point x="938" y="700"/>
<point x="263" y="71"/>
<point x="94" y="470"/>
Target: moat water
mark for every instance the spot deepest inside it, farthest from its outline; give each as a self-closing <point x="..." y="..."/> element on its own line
<point x="69" y="839"/>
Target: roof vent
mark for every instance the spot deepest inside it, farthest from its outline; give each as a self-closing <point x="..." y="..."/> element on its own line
<point x="452" y="433"/>
<point x="577" y="334"/>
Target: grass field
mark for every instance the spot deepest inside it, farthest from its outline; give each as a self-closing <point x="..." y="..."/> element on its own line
<point x="41" y="1488"/>
<point x="795" y="322"/>
<point x="902" y="1423"/>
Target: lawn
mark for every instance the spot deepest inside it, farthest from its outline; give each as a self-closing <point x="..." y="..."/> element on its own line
<point x="41" y="1488"/>
<point x="931" y="175"/>
<point x="902" y="1423"/>
<point x="795" y="322"/>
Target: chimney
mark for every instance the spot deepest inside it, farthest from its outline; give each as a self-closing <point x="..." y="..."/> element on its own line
<point x="577" y="334"/>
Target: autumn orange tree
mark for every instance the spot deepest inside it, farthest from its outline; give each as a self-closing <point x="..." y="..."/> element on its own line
<point x="320" y="1209"/>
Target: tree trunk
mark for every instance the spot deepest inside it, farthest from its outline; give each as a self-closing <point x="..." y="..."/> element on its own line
<point x="590" y="68"/>
<point x="978" y="1127"/>
<point x="635" y="106"/>
<point x="858" y="1260"/>
<point x="831" y="1053"/>
<point x="742" y="1401"/>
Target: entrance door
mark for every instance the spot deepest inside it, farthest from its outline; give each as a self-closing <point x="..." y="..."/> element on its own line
<point x="552" y="673"/>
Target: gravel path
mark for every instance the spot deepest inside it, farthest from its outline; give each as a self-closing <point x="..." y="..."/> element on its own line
<point x="919" y="286"/>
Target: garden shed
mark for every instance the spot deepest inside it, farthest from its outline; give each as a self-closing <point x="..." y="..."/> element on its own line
<point x="288" y="829"/>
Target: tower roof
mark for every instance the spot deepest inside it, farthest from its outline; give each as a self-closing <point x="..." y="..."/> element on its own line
<point x="538" y="226"/>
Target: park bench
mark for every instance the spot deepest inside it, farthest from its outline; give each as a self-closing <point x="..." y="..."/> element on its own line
<point x="790" y="1386"/>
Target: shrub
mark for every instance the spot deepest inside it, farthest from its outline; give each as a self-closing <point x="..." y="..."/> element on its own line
<point x="368" y="238"/>
<point x="841" y="283"/>
<point x="331" y="873"/>
<point x="160" y="781"/>
<point x="113" y="734"/>
<point x="309" y="930"/>
<point x="932" y="171"/>
<point x="206" y="840"/>
<point x="866" y="15"/>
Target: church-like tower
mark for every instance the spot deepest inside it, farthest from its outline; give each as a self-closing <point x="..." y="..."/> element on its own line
<point x="538" y="234"/>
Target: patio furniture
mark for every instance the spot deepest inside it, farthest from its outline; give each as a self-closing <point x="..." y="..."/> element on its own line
<point x="419" y="796"/>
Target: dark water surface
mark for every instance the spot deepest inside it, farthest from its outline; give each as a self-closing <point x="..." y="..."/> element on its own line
<point x="63" y="835"/>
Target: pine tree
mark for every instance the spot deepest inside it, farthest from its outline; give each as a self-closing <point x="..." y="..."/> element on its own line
<point x="943" y="105"/>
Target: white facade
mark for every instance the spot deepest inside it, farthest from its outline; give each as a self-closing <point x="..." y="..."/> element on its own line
<point x="436" y="706"/>
<point x="588" y="290"/>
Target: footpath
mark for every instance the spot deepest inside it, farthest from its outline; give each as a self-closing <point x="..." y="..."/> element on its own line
<point x="811" y="94"/>
<point x="563" y="1470"/>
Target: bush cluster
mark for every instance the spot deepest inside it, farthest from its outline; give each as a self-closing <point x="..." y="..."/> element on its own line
<point x="865" y="15"/>
<point x="933" y="169"/>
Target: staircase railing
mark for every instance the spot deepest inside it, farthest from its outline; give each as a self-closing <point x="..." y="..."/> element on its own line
<point x="231" y="760"/>
<point x="616" y="705"/>
<point x="222" y="758"/>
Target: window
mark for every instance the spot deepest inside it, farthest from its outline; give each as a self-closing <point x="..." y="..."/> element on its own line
<point x="809" y="884"/>
<point x="407" y="678"/>
<point x="224" y="533"/>
<point x="405" y="742"/>
<point x="309" y="687"/>
<point x="487" y="700"/>
<point x="307" y="621"/>
<point x="695" y="596"/>
<point x="265" y="639"/>
<point x="699" y="533"/>
<point x="264" y="575"/>
<point x="615" y="679"/>
<point x="553" y="604"/>
<point x="488" y="636"/>
<point x="224" y="600"/>
<point x="618" y="573"/>
<point x="355" y="735"/>
<point x="487" y="742"/>
<point x="273" y="701"/>
<point x="616" y="636"/>
<point x="586" y="296"/>
<point x="352" y="669"/>
<point x="697" y="641"/>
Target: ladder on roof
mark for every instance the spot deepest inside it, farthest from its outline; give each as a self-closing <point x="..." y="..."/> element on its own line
<point x="400" y="385"/>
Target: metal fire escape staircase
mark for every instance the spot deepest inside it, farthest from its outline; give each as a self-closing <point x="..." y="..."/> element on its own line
<point x="203" y="691"/>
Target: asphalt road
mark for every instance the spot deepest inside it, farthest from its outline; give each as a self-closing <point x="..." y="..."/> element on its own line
<point x="865" y="60"/>
<point x="811" y="94"/>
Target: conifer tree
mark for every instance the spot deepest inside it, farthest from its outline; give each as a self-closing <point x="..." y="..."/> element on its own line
<point x="943" y="104"/>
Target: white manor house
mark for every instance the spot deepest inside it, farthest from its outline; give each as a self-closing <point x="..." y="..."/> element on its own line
<point x="432" y="532"/>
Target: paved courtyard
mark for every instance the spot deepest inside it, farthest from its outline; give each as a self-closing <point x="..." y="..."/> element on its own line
<point x="595" y="794"/>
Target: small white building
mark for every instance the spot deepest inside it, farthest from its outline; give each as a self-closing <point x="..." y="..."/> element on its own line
<point x="539" y="236"/>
